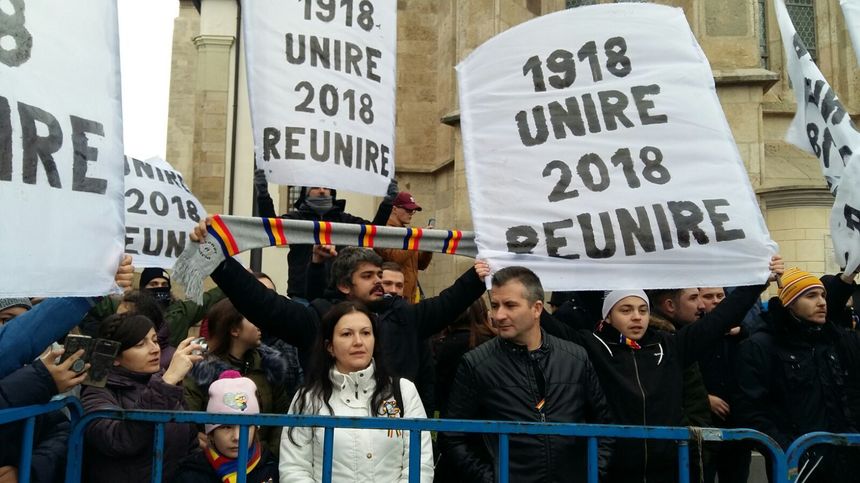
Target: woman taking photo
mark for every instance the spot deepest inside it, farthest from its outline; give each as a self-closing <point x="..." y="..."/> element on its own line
<point x="120" y="450"/>
<point x="346" y="378"/>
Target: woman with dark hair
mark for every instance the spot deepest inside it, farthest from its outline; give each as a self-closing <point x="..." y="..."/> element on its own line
<point x="234" y="343"/>
<point x="119" y="450"/>
<point x="143" y="303"/>
<point x="347" y="378"/>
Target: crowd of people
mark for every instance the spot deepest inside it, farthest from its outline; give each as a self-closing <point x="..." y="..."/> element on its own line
<point x="354" y="337"/>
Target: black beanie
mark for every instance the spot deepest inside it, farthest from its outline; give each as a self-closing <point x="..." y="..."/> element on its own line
<point x="151" y="273"/>
<point x="128" y="330"/>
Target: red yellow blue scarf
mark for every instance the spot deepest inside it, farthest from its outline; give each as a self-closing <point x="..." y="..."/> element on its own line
<point x="227" y="468"/>
<point x="629" y="342"/>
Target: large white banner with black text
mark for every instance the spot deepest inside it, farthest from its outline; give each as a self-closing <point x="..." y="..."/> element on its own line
<point x="160" y="212"/>
<point x="851" y="11"/>
<point x="597" y="154"/>
<point x="61" y="175"/>
<point x="321" y="82"/>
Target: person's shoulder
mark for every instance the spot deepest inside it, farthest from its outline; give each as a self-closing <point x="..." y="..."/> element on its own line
<point x="566" y="348"/>
<point x="483" y="353"/>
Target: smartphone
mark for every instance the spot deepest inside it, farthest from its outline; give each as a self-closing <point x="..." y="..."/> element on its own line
<point x="73" y="344"/>
<point x="431" y="222"/>
<point x="101" y="359"/>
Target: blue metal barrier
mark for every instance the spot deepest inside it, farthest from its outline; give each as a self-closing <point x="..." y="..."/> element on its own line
<point x="415" y="426"/>
<point x="28" y="414"/>
<point x="802" y="444"/>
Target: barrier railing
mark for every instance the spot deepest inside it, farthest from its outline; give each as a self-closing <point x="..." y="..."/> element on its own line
<point x="784" y="465"/>
<point x="28" y="414"/>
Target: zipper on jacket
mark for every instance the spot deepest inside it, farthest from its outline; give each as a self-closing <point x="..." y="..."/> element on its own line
<point x="644" y="417"/>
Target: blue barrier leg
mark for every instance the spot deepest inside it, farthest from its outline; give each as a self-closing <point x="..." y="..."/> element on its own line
<point x="158" y="453"/>
<point x="503" y="470"/>
<point x="683" y="462"/>
<point x="242" y="462"/>
<point x="414" y="456"/>
<point x="328" y="451"/>
<point x="27" y="450"/>
<point x="592" y="460"/>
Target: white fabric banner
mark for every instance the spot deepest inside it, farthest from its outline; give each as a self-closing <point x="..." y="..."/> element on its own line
<point x="845" y="220"/>
<point x="821" y="125"/>
<point x="160" y="212"/>
<point x="851" y="10"/>
<point x="597" y="155"/>
<point x="61" y="174"/>
<point x="321" y="82"/>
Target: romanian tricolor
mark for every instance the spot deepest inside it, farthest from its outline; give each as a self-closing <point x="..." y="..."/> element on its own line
<point x="366" y="236"/>
<point x="275" y="229"/>
<point x="218" y="229"/>
<point x="322" y="232"/>
<point x="412" y="240"/>
<point x="629" y="343"/>
<point x="450" y="244"/>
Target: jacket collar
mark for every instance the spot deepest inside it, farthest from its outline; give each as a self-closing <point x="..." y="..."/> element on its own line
<point x="515" y="348"/>
<point x="122" y="377"/>
<point x="358" y="380"/>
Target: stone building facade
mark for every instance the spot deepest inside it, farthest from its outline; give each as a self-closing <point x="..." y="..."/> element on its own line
<point x="209" y="135"/>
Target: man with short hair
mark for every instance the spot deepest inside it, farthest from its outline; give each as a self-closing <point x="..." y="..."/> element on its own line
<point x="524" y="374"/>
<point x="711" y="297"/>
<point x="410" y="261"/>
<point x="392" y="278"/>
<point x="356" y="274"/>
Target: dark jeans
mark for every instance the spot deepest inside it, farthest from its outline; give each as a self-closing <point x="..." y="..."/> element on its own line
<point x="730" y="461"/>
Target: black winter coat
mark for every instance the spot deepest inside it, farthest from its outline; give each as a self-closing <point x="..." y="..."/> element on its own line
<point x="299" y="257"/>
<point x="500" y="380"/>
<point x="196" y="469"/>
<point x="644" y="387"/>
<point x="401" y="327"/>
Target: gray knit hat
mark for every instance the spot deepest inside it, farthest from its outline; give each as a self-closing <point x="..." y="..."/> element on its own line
<point x="15" y="302"/>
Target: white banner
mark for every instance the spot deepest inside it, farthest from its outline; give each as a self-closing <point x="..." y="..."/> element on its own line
<point x="845" y="220"/>
<point x="597" y="155"/>
<point x="821" y="125"/>
<point x="160" y="212"/>
<point x="321" y="82"/>
<point x="851" y="10"/>
<point x="61" y="175"/>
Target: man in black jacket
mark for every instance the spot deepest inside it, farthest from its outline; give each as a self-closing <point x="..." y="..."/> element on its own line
<point x="316" y="204"/>
<point x="356" y="274"/>
<point x="524" y="375"/>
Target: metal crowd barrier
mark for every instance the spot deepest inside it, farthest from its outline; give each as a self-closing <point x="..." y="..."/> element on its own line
<point x="784" y="465"/>
<point x="28" y="414"/>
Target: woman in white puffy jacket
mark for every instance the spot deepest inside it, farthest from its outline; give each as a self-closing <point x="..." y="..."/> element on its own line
<point x="344" y="379"/>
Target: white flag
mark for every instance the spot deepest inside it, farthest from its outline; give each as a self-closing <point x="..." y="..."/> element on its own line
<point x="851" y="11"/>
<point x="821" y="125"/>
<point x="597" y="155"/>
<point x="61" y="174"/>
<point x="321" y="79"/>
<point x="160" y="212"/>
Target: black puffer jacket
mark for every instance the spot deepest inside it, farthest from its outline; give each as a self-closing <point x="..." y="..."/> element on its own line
<point x="195" y="468"/>
<point x="501" y="381"/>
<point x="644" y="387"/>
<point x="299" y="256"/>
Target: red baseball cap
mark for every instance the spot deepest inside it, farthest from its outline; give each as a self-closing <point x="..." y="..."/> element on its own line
<point x="405" y="200"/>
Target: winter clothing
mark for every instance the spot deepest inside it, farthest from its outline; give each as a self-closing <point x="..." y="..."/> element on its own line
<point x="405" y="200"/>
<point x="265" y="366"/>
<point x="645" y="386"/>
<point x="401" y="327"/>
<point x="150" y="274"/>
<point x="232" y="394"/>
<point x="376" y="455"/>
<point x="299" y="256"/>
<point x="615" y="296"/>
<point x="410" y="262"/>
<point x="794" y="282"/>
<point x="20" y="342"/>
<point x="449" y="352"/>
<point x="15" y="302"/>
<point x="122" y="451"/>
<point x="501" y="380"/>
<point x="196" y="469"/>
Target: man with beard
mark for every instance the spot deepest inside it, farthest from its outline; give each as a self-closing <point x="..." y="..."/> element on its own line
<point x="356" y="274"/>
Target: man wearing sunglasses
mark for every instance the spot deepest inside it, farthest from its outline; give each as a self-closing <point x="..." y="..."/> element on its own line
<point x="409" y="260"/>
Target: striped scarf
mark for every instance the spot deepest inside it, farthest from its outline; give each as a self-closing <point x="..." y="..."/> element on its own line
<point x="227" y="468"/>
<point x="629" y="343"/>
<point x="229" y="235"/>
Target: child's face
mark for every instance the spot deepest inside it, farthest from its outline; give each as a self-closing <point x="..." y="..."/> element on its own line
<point x="226" y="440"/>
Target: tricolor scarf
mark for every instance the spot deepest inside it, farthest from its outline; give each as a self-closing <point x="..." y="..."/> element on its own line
<point x="629" y="342"/>
<point x="229" y="235"/>
<point x="227" y="468"/>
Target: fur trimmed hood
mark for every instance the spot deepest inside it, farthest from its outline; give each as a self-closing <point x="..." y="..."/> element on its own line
<point x="264" y="358"/>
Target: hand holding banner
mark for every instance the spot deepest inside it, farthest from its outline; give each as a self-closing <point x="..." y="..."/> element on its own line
<point x="597" y="155"/>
